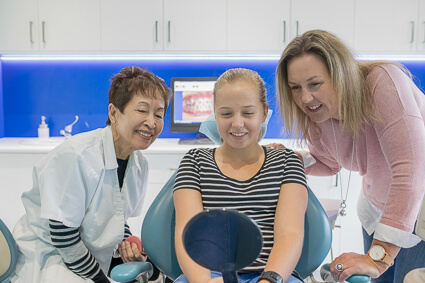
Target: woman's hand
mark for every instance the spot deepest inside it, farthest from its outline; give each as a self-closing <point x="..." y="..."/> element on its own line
<point x="281" y="146"/>
<point x="130" y="252"/>
<point x="275" y="145"/>
<point x="353" y="264"/>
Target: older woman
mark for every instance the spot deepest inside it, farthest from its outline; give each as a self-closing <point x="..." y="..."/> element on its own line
<point x="85" y="189"/>
<point x="366" y="117"/>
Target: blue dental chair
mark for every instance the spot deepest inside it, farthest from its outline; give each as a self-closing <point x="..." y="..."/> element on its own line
<point x="158" y="240"/>
<point x="8" y="253"/>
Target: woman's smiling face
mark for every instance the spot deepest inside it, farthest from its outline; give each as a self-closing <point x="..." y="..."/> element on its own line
<point x="311" y="88"/>
<point x="139" y="126"/>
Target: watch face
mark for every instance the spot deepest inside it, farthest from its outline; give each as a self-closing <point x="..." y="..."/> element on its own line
<point x="377" y="252"/>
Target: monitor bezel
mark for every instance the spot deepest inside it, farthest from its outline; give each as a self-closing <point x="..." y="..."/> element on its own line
<point x="178" y="127"/>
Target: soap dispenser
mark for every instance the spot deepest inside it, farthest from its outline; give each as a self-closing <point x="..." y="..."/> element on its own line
<point x="43" y="129"/>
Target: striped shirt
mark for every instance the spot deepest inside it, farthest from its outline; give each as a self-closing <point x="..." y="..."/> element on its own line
<point x="256" y="197"/>
<point x="75" y="254"/>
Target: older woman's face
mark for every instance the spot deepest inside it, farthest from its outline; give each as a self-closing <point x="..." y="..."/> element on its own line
<point x="138" y="126"/>
<point x="311" y="88"/>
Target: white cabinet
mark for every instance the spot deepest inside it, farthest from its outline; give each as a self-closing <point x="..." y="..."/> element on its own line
<point x="268" y="26"/>
<point x="19" y="25"/>
<point x="386" y="26"/>
<point x="421" y="27"/>
<point x="49" y="25"/>
<point x="258" y="26"/>
<point x="334" y="16"/>
<point x="69" y="25"/>
<point x="202" y="26"/>
<point x="166" y="25"/>
<point x="132" y="25"/>
<point x="195" y="25"/>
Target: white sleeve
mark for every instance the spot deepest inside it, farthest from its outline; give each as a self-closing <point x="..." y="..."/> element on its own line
<point x="67" y="184"/>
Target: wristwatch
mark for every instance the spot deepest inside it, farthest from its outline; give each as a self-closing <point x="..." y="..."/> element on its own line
<point x="378" y="253"/>
<point x="270" y="276"/>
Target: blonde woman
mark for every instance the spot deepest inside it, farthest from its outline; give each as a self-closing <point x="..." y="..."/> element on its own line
<point x="366" y="117"/>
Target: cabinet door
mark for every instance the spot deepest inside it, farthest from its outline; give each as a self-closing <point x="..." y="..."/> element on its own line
<point x="386" y="26"/>
<point x="132" y="25"/>
<point x="195" y="25"/>
<point x="421" y="26"/>
<point x="18" y="25"/>
<point x="69" y="25"/>
<point x="258" y="26"/>
<point x="334" y="16"/>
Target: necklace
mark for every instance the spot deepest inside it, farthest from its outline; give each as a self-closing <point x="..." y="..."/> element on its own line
<point x="343" y="205"/>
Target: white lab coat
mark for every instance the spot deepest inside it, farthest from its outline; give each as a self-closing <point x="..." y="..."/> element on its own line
<point x="77" y="184"/>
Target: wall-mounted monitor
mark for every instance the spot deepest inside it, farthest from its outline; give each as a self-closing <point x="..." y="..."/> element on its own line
<point x="191" y="103"/>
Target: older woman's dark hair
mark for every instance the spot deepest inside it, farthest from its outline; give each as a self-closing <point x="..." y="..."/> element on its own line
<point x="135" y="80"/>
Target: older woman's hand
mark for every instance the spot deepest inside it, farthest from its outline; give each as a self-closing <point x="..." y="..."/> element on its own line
<point x="130" y="252"/>
<point x="351" y="264"/>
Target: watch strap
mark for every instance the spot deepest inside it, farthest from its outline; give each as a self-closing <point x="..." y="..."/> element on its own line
<point x="387" y="259"/>
<point x="270" y="276"/>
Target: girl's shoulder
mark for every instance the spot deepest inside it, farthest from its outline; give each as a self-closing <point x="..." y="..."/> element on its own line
<point x="279" y="153"/>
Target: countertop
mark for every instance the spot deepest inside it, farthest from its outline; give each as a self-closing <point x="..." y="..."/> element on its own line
<point x="161" y="145"/>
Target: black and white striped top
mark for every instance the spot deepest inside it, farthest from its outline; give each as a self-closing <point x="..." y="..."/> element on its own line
<point x="256" y="197"/>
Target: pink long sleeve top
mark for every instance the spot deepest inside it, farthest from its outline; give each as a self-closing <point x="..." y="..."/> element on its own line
<point x="390" y="155"/>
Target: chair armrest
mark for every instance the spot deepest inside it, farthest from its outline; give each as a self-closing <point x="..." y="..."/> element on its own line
<point x="358" y="279"/>
<point x="325" y="273"/>
<point x="129" y="271"/>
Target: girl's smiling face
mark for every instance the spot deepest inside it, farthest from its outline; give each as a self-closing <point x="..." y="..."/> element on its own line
<point x="311" y="88"/>
<point x="239" y="114"/>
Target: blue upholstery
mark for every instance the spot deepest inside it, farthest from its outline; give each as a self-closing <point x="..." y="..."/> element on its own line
<point x="8" y="252"/>
<point x="158" y="236"/>
<point x="317" y="237"/>
<point x="158" y="232"/>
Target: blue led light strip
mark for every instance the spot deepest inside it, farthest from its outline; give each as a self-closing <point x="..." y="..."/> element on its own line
<point x="185" y="57"/>
<point x="132" y="57"/>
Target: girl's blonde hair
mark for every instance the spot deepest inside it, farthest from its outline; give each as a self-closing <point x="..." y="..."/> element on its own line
<point x="237" y="74"/>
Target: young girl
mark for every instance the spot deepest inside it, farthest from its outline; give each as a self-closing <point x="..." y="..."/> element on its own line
<point x="268" y="185"/>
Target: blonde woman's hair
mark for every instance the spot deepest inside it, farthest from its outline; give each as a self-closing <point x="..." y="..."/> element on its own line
<point x="348" y="77"/>
<point x="237" y="74"/>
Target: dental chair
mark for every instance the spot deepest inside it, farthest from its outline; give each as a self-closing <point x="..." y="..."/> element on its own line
<point x="158" y="241"/>
<point x="8" y="253"/>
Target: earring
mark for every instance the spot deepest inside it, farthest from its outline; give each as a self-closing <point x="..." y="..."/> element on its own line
<point x="114" y="122"/>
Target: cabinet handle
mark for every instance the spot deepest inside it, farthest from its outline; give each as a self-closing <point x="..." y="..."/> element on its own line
<point x="336" y="179"/>
<point x="31" y="40"/>
<point x="412" y="37"/>
<point x="298" y="27"/>
<point x="284" y="31"/>
<point x="169" y="31"/>
<point x="43" y="24"/>
<point x="156" y="31"/>
<point x="423" y="41"/>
